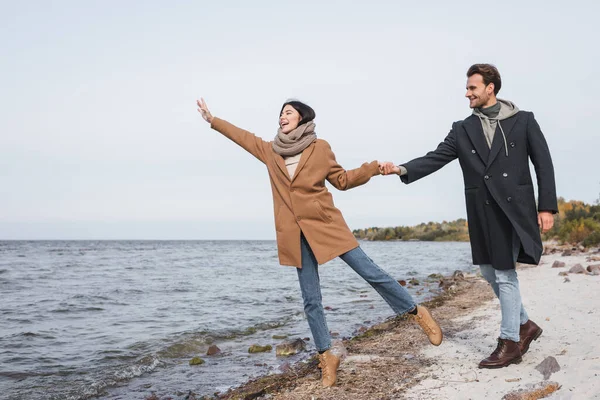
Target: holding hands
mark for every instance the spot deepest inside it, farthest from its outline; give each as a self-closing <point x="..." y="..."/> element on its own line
<point x="388" y="168"/>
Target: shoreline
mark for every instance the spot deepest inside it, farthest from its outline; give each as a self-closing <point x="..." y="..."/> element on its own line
<point x="394" y="360"/>
<point x="369" y="347"/>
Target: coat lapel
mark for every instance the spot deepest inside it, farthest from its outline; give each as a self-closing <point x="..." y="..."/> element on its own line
<point x="305" y="156"/>
<point x="281" y="164"/>
<point x="475" y="131"/>
<point x="498" y="142"/>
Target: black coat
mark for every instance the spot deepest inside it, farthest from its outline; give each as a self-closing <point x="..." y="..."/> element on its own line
<point x="498" y="186"/>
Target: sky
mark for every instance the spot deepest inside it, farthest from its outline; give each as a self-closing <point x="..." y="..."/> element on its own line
<point x="100" y="137"/>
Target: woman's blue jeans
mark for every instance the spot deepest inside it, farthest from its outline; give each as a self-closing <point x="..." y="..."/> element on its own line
<point x="392" y="292"/>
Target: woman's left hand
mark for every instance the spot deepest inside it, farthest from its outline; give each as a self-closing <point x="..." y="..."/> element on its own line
<point x="203" y="110"/>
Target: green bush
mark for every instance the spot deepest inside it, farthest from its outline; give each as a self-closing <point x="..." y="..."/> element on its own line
<point x="592" y="240"/>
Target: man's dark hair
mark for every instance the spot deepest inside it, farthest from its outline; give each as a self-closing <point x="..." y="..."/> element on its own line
<point x="305" y="111"/>
<point x="489" y="73"/>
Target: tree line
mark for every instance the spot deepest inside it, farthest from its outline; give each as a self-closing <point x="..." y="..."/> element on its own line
<point x="576" y="223"/>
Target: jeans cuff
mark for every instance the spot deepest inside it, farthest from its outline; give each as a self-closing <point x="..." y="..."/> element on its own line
<point x="505" y="337"/>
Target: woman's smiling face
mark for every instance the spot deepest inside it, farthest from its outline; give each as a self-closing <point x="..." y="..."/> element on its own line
<point x="289" y="119"/>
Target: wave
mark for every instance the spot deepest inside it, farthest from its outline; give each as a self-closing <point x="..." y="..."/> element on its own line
<point x="75" y="309"/>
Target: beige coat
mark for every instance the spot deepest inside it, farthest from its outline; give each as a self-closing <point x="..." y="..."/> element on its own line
<point x="303" y="203"/>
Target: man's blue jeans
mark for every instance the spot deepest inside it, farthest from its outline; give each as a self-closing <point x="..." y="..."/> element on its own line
<point x="392" y="292"/>
<point x="506" y="287"/>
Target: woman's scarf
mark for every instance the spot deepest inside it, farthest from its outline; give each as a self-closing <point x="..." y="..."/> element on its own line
<point x="296" y="141"/>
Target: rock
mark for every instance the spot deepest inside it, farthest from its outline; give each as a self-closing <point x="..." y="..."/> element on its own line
<point x="385" y="326"/>
<point x="279" y="337"/>
<point x="212" y="350"/>
<point x="558" y="264"/>
<point x="533" y="392"/>
<point x="577" y="269"/>
<point x="190" y="396"/>
<point x="592" y="268"/>
<point x="328" y="308"/>
<point x="285" y="367"/>
<point x="563" y="273"/>
<point x="290" y="348"/>
<point x="255" y="348"/>
<point x="548" y="367"/>
<point x="402" y="282"/>
<point x="435" y="277"/>
<point x="414" y="282"/>
<point x="566" y="280"/>
<point x="196" y="361"/>
<point x="250" y="330"/>
<point x="447" y="284"/>
<point x="458" y="275"/>
<point x="566" y="253"/>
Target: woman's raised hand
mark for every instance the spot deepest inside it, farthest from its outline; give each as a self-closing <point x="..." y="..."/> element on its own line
<point x="203" y="110"/>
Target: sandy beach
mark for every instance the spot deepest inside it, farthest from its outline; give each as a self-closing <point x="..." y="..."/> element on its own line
<point x="394" y="360"/>
<point x="567" y="308"/>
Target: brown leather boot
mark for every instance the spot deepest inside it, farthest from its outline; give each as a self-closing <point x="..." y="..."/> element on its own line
<point x="329" y="363"/>
<point x="507" y="352"/>
<point x="528" y="332"/>
<point x="429" y="325"/>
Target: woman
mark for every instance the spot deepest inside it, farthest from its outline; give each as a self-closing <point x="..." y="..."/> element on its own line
<point x="310" y="229"/>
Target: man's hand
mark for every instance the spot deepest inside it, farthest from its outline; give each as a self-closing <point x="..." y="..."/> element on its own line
<point x="545" y="221"/>
<point x="388" y="168"/>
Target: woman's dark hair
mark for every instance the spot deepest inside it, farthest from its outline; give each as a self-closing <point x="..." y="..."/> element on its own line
<point x="306" y="112"/>
<point x="489" y="73"/>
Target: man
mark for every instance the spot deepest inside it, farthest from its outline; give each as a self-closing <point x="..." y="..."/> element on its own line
<point x="493" y="146"/>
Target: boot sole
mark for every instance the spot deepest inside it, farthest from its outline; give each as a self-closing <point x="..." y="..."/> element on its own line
<point x="536" y="337"/>
<point x="514" y="361"/>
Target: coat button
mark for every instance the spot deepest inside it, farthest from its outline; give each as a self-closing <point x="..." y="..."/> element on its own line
<point x="486" y="177"/>
<point x="512" y="144"/>
<point x="487" y="202"/>
<point x="505" y="174"/>
<point x="509" y="199"/>
<point x="473" y="151"/>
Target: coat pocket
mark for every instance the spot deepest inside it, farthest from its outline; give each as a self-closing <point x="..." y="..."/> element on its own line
<point x="526" y="202"/>
<point x="322" y="213"/>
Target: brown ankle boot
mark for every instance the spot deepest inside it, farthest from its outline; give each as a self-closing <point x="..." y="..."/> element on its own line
<point x="507" y="352"/>
<point x="329" y="363"/>
<point x="528" y="332"/>
<point x="429" y="326"/>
